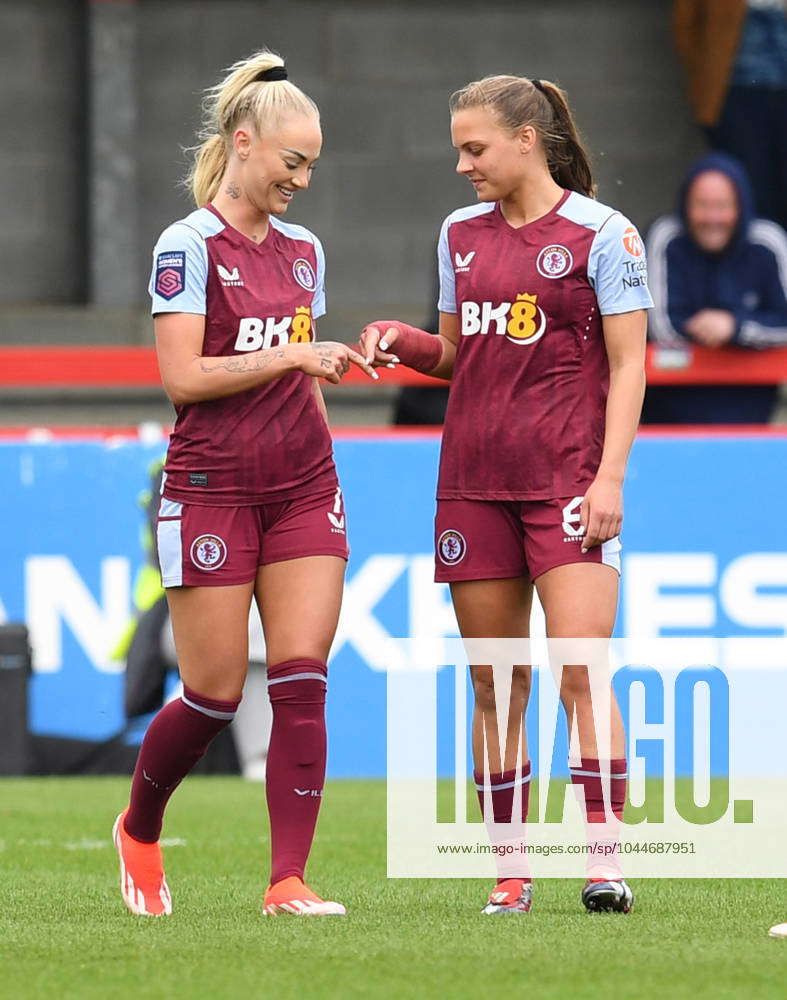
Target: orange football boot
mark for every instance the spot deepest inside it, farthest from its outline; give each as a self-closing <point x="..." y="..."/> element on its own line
<point x="290" y="895"/>
<point x="142" y="882"/>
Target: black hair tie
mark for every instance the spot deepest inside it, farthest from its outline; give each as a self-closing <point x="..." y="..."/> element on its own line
<point x="539" y="86"/>
<point x="274" y="73"/>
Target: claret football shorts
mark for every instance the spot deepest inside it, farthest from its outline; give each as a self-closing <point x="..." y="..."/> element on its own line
<point x="502" y="539"/>
<point x="221" y="546"/>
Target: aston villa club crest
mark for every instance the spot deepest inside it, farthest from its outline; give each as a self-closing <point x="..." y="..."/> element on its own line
<point x="554" y="261"/>
<point x="303" y="273"/>
<point x="451" y="547"/>
<point x="208" y="552"/>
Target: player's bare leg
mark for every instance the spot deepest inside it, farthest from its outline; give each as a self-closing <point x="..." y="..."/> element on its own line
<point x="211" y="630"/>
<point x="580" y="601"/>
<point x="299" y="602"/>
<point x="210" y="626"/>
<point x="495" y="609"/>
<point x="500" y="609"/>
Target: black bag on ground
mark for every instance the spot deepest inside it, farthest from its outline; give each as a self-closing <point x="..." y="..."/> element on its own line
<point x="15" y="669"/>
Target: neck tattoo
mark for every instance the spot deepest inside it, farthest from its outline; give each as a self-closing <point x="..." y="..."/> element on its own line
<point x="233" y="190"/>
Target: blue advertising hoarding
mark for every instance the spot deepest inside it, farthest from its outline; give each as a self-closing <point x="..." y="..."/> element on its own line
<point x="705" y="553"/>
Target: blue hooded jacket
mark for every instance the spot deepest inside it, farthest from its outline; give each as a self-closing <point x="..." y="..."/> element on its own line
<point x="748" y="278"/>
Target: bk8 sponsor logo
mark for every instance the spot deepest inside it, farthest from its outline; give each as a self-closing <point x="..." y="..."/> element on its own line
<point x="255" y="333"/>
<point x="521" y="322"/>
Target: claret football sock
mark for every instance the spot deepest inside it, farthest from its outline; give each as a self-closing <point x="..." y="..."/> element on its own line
<point x="501" y="791"/>
<point x="592" y="779"/>
<point x="295" y="770"/>
<point x="175" y="740"/>
<point x="590" y="775"/>
<point x="501" y="788"/>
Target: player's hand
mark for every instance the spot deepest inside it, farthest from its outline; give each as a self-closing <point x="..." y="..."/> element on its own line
<point x="329" y="360"/>
<point x="601" y="513"/>
<point x="375" y="343"/>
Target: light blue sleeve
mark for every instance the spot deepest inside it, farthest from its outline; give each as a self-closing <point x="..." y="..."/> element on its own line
<point x="318" y="301"/>
<point x="447" y="301"/>
<point x="617" y="268"/>
<point x="179" y="277"/>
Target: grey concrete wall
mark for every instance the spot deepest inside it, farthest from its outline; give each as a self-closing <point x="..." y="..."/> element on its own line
<point x="42" y="246"/>
<point x="114" y="275"/>
<point x="381" y="73"/>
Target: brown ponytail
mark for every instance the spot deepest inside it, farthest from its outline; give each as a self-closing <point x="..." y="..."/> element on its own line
<point x="567" y="157"/>
<point x="517" y="101"/>
<point x="241" y="96"/>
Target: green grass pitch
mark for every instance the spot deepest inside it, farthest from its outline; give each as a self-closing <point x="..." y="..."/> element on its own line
<point x="64" y="932"/>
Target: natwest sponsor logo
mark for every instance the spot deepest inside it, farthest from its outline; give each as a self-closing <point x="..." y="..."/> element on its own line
<point x="636" y="273"/>
<point x="259" y="333"/>
<point x="522" y="321"/>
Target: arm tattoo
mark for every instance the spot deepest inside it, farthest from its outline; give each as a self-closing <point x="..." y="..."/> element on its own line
<point x="244" y="363"/>
<point x="233" y="189"/>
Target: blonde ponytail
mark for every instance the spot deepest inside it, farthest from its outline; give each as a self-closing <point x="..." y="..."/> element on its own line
<point x="209" y="162"/>
<point x="518" y="101"/>
<point x="241" y="96"/>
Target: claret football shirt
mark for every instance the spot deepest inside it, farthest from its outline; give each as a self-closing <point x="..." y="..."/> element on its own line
<point x="526" y="410"/>
<point x="266" y="443"/>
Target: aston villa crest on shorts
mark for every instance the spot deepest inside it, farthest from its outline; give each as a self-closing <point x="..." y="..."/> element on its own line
<point x="451" y="547"/>
<point x="208" y="552"/>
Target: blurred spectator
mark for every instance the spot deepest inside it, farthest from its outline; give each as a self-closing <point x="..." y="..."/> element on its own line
<point x="718" y="277"/>
<point x="735" y="54"/>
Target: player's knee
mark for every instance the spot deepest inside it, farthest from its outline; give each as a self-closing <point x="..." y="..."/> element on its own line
<point x="520" y="685"/>
<point x="574" y="684"/>
<point x="597" y="626"/>
<point x="282" y="653"/>
<point x="484" y="686"/>
<point x="218" y="688"/>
